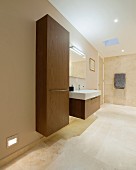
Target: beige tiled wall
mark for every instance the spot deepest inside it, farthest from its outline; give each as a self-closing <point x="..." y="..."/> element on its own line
<point x="121" y="64"/>
<point x="75" y="81"/>
<point x="78" y="69"/>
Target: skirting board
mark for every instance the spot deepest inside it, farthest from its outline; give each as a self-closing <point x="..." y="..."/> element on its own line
<point x="19" y="152"/>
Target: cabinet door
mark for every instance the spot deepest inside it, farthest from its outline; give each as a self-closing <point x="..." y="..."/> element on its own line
<point x="58" y="110"/>
<point x="58" y="56"/>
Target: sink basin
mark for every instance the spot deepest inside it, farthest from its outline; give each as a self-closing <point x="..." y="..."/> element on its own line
<point x="84" y="94"/>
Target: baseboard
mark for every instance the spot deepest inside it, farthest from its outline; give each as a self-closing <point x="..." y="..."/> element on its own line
<point x="19" y="152"/>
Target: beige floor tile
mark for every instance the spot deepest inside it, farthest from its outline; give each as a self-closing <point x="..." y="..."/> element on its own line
<point x="104" y="141"/>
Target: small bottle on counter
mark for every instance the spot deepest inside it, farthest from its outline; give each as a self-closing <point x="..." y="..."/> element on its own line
<point x="71" y="88"/>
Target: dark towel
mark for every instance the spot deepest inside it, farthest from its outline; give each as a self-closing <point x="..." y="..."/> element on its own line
<point x="120" y="81"/>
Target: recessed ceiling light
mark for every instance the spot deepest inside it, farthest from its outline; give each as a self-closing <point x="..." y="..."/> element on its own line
<point x="116" y="20"/>
<point x="122" y="51"/>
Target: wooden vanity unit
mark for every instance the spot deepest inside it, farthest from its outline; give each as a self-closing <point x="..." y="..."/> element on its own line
<point x="83" y="108"/>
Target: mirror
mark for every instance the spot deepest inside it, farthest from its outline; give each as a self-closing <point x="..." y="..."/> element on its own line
<point x="77" y="65"/>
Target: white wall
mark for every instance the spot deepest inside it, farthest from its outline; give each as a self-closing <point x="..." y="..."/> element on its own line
<point x="75" y="81"/>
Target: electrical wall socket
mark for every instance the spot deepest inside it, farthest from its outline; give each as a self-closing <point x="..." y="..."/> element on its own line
<point x="12" y="140"/>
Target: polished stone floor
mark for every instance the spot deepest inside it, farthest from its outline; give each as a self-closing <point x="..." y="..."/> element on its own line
<point x="105" y="141"/>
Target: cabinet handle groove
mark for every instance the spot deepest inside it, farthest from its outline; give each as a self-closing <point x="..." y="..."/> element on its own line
<point x="57" y="90"/>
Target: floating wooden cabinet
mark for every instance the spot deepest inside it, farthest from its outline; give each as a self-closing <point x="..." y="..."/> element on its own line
<point x="83" y="108"/>
<point x="52" y="76"/>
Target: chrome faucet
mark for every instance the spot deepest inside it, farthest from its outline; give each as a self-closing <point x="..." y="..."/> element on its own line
<point x="79" y="87"/>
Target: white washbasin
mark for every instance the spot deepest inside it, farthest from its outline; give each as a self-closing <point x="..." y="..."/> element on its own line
<point x="84" y="94"/>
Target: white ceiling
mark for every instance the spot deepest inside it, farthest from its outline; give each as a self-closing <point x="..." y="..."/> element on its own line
<point x="94" y="19"/>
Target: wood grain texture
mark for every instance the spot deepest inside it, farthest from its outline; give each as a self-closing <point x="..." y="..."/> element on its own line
<point x="83" y="108"/>
<point x="77" y="108"/>
<point x="58" y="111"/>
<point x="58" y="52"/>
<point x="91" y="106"/>
<point x="52" y="76"/>
<point x="41" y="69"/>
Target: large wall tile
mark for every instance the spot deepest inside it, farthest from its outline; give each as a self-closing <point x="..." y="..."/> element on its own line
<point x="121" y="64"/>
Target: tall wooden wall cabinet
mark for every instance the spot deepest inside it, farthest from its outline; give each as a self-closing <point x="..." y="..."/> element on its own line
<point x="52" y="76"/>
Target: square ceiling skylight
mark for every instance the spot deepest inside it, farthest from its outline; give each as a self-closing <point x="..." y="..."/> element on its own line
<point x="111" y="42"/>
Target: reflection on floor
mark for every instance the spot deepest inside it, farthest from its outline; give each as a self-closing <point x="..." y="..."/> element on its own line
<point x="105" y="141"/>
